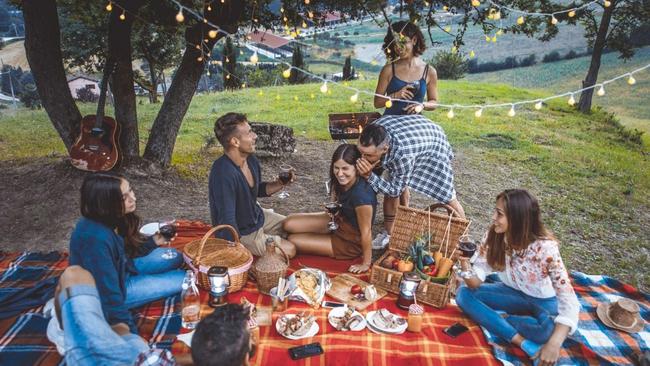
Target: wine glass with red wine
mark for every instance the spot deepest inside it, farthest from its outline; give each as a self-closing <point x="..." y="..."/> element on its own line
<point x="167" y="228"/>
<point x="333" y="209"/>
<point x="466" y="246"/>
<point x="285" y="178"/>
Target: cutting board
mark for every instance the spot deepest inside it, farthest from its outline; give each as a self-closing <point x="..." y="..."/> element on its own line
<point x="340" y="290"/>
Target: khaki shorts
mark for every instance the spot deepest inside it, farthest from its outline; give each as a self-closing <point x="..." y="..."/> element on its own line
<point x="272" y="228"/>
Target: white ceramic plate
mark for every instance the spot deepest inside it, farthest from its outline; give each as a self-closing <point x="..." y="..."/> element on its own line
<point x="149" y="229"/>
<point x="339" y="312"/>
<point x="312" y="331"/>
<point x="370" y="318"/>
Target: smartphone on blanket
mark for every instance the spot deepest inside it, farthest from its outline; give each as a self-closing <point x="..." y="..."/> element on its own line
<point x="455" y="330"/>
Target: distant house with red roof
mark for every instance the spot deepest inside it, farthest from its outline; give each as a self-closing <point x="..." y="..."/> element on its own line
<point x="269" y="44"/>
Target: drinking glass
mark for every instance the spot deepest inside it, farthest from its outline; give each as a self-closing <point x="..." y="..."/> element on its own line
<point x="332" y="210"/>
<point x="285" y="178"/>
<point x="167" y="228"/>
<point x="466" y="246"/>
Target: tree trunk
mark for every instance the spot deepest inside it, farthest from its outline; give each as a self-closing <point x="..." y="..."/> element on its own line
<point x="168" y="121"/>
<point x="153" y="93"/>
<point x="584" y="104"/>
<point x="43" y="50"/>
<point x="119" y="47"/>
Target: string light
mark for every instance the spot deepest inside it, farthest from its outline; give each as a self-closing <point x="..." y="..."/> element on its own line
<point x="212" y="33"/>
<point x="419" y="108"/>
<point x="286" y="73"/>
<point x="123" y="15"/>
<point x="254" y="58"/>
<point x="180" y="17"/>
<point x="476" y="3"/>
<point x="471" y="54"/>
<point x="601" y="91"/>
<point x="109" y="6"/>
<point x="388" y="104"/>
<point x="607" y="3"/>
<point x="260" y="93"/>
<point x="631" y="80"/>
<point x="354" y="98"/>
<point x="572" y="100"/>
<point x="520" y="20"/>
<point x="450" y="114"/>
<point x="538" y="105"/>
<point x="572" y="13"/>
<point x="478" y="113"/>
<point x="553" y="20"/>
<point x="511" y="112"/>
<point x="312" y="95"/>
<point x="209" y="7"/>
<point x="323" y="88"/>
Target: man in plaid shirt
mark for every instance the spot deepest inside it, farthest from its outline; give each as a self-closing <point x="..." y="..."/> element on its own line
<point x="222" y="338"/>
<point x="416" y="154"/>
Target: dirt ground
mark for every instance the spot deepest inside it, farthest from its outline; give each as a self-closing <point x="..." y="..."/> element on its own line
<point x="40" y="202"/>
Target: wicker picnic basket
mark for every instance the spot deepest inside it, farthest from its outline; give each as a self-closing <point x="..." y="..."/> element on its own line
<point x="410" y="223"/>
<point x="209" y="251"/>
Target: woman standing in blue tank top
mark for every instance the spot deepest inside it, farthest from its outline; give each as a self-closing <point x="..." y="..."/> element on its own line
<point x="406" y="76"/>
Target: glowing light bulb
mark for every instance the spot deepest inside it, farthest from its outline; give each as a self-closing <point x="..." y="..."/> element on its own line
<point x="312" y="95"/>
<point x="180" y="17"/>
<point x="304" y="24"/>
<point x="295" y="97"/>
<point x="286" y="73"/>
<point x="631" y="80"/>
<point x="572" y="100"/>
<point x="607" y="3"/>
<point x="354" y="98"/>
<point x="445" y="8"/>
<point x="323" y="88"/>
<point x="388" y="104"/>
<point x="228" y="76"/>
<point x="277" y="97"/>
<point x="538" y="105"/>
<point x="419" y="108"/>
<point x="209" y="7"/>
<point x="572" y="13"/>
<point x="447" y="29"/>
<point x="553" y="20"/>
<point x="478" y="113"/>
<point x="306" y="2"/>
<point x="123" y="15"/>
<point x="454" y="49"/>
<point x="281" y="10"/>
<point x="205" y="21"/>
<point x="497" y="15"/>
<point x="199" y="59"/>
<point x="494" y="39"/>
<point x="260" y="93"/>
<point x="511" y="112"/>
<point x="212" y="33"/>
<point x="310" y="14"/>
<point x="223" y="1"/>
<point x="487" y="38"/>
<point x="499" y="32"/>
<point x="227" y="59"/>
<point x="601" y="91"/>
<point x="243" y="85"/>
<point x="254" y="58"/>
<point x="520" y="20"/>
<point x="471" y="54"/>
<point x="109" y="6"/>
<point x="450" y="114"/>
<point x="476" y="3"/>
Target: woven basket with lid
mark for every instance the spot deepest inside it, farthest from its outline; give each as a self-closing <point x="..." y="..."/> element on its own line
<point x="268" y="269"/>
<point x="209" y="251"/>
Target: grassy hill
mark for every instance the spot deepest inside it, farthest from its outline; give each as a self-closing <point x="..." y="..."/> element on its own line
<point x="629" y="103"/>
<point x="593" y="182"/>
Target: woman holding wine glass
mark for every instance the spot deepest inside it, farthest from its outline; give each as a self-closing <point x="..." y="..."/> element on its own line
<point x="353" y="216"/>
<point x="130" y="270"/>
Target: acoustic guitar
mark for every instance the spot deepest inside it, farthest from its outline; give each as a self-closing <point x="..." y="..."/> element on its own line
<point x="97" y="147"/>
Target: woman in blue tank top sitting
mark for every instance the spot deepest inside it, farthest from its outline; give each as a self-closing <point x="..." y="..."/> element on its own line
<point x="358" y="202"/>
<point x="406" y="76"/>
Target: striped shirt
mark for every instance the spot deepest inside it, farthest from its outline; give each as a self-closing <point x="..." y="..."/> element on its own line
<point x="419" y="158"/>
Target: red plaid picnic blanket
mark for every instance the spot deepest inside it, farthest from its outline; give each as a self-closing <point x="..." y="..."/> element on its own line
<point x="430" y="347"/>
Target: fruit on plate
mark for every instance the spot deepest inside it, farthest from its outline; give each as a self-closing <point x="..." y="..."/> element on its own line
<point x="356" y="289"/>
<point x="405" y="265"/>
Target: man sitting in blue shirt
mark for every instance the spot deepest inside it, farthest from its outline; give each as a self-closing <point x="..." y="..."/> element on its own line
<point x="236" y="182"/>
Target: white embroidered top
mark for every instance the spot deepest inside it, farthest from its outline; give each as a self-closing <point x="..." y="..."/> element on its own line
<point x="537" y="271"/>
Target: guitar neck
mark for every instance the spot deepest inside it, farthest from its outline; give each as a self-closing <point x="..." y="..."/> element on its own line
<point x="108" y="70"/>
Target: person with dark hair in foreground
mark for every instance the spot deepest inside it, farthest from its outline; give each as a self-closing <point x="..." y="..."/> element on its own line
<point x="235" y="183"/>
<point x="416" y="154"/>
<point x="352" y="239"/>
<point x="222" y="338"/>
<point x="532" y="304"/>
<point x="129" y="269"/>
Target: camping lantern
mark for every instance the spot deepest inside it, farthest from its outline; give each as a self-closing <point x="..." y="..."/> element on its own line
<point x="407" y="288"/>
<point x="219" y="282"/>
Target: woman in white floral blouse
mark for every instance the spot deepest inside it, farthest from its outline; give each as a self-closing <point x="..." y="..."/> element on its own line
<point x="532" y="304"/>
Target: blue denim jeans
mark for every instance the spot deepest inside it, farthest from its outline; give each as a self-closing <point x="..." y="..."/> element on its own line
<point x="89" y="339"/>
<point x="531" y="317"/>
<point x="157" y="278"/>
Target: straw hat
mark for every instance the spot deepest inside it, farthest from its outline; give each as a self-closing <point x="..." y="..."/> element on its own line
<point x="622" y="315"/>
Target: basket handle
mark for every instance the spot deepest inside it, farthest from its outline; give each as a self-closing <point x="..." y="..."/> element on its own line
<point x="207" y="235"/>
<point x="450" y="210"/>
<point x="286" y="257"/>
